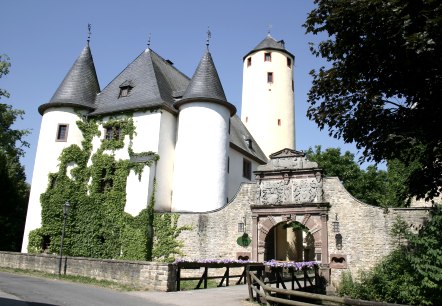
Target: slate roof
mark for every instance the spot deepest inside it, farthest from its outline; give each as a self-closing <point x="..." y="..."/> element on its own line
<point x="80" y="85"/>
<point x="242" y="141"/>
<point x="154" y="82"/>
<point x="269" y="43"/>
<point x="205" y="85"/>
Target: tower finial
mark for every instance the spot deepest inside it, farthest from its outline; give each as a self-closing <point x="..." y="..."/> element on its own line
<point x="209" y="35"/>
<point x="148" y="41"/>
<point x="89" y="33"/>
<point x="269" y="29"/>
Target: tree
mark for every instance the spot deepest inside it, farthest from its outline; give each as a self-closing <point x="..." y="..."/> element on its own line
<point x="383" y="86"/>
<point x="14" y="189"/>
<point x="372" y="186"/>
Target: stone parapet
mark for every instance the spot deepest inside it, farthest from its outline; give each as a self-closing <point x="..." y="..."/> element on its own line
<point x="141" y="274"/>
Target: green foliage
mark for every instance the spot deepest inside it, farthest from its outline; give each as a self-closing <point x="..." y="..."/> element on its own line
<point x="296" y="226"/>
<point x="381" y="89"/>
<point x="372" y="186"/>
<point x="4" y="70"/>
<point x="14" y="191"/>
<point x="244" y="240"/>
<point x="97" y="225"/>
<point x="165" y="244"/>
<point x="412" y="274"/>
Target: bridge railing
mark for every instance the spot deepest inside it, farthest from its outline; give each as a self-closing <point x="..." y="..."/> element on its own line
<point x="205" y="276"/>
<point x="264" y="293"/>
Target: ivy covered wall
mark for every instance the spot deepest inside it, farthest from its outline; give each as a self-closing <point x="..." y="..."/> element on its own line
<point x="94" y="183"/>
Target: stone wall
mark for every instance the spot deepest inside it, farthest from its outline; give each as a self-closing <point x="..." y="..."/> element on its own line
<point x="145" y="275"/>
<point x="214" y="234"/>
<point x="364" y="229"/>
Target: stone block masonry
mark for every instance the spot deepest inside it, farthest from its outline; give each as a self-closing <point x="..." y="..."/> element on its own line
<point x="364" y="230"/>
<point x="214" y="234"/>
<point x="141" y="274"/>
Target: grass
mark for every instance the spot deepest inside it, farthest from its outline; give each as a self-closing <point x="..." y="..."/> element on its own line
<point x="73" y="278"/>
<point x="191" y="284"/>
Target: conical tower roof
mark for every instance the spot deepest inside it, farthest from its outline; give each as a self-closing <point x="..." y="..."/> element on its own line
<point x="154" y="82"/>
<point x="269" y="43"/>
<point x="205" y="85"/>
<point x="79" y="87"/>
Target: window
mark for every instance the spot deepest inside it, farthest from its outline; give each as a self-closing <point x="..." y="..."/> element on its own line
<point x="279" y="122"/>
<point x="249" y="62"/>
<point x="107" y="179"/>
<point x="267" y="57"/>
<point x="62" y="132"/>
<point x="112" y="132"/>
<point x="52" y="182"/>
<point x="125" y="91"/>
<point x="247" y="169"/>
<point x="247" y="119"/>
<point x="228" y="164"/>
<point x="269" y="77"/>
<point x="289" y="62"/>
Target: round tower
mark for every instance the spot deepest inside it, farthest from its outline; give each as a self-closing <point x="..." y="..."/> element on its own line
<point x="268" y="109"/>
<point x="75" y="96"/>
<point x="201" y="154"/>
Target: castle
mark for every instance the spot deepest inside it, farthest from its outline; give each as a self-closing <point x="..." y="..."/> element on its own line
<point x="205" y="150"/>
<point x="241" y="188"/>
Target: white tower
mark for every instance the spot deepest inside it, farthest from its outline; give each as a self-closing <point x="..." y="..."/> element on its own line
<point x="201" y="154"/>
<point x="76" y="94"/>
<point x="268" y="109"/>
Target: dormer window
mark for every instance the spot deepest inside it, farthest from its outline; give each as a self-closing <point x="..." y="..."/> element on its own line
<point x="125" y="89"/>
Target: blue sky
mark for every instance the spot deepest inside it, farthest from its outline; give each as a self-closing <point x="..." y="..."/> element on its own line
<point x="43" y="39"/>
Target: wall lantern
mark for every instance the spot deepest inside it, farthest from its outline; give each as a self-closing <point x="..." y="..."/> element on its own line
<point x="242" y="226"/>
<point x="335" y="225"/>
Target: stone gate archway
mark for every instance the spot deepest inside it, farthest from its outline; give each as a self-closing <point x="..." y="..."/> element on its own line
<point x="289" y="241"/>
<point x="290" y="190"/>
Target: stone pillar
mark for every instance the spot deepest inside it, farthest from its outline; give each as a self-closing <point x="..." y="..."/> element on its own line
<point x="254" y="237"/>
<point x="325" y="269"/>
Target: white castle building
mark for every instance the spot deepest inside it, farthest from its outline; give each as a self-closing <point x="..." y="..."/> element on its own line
<point x="206" y="151"/>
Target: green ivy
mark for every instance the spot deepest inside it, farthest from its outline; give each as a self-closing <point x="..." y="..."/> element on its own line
<point x="97" y="225"/>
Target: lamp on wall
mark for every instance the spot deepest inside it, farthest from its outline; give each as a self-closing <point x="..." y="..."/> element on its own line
<point x="66" y="207"/>
<point x="335" y="224"/>
<point x="338" y="236"/>
<point x="242" y="226"/>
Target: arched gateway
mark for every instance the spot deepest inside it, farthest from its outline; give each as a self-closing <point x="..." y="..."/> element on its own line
<point x="290" y="193"/>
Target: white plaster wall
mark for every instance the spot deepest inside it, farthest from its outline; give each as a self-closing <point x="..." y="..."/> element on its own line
<point x="146" y="138"/>
<point x="235" y="177"/>
<point x="200" y="174"/>
<point x="164" y="167"/>
<point x="137" y="191"/>
<point x="263" y="103"/>
<point x="46" y="160"/>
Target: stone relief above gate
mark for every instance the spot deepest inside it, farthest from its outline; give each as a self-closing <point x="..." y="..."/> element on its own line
<point x="289" y="178"/>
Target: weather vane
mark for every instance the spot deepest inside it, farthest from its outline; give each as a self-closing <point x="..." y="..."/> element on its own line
<point x="148" y="41"/>
<point x="89" y="32"/>
<point x="209" y="35"/>
<point x="270" y="29"/>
